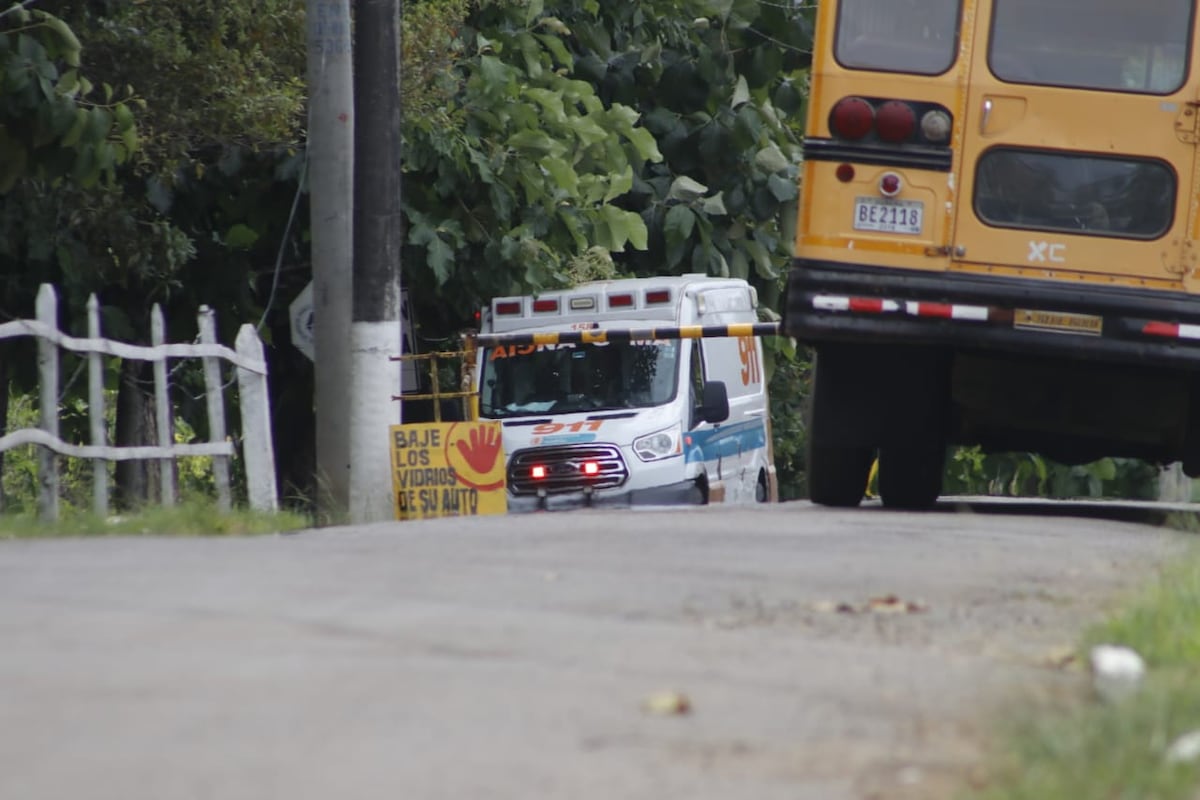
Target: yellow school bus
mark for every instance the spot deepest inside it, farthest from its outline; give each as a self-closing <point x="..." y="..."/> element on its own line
<point x="997" y="237"/>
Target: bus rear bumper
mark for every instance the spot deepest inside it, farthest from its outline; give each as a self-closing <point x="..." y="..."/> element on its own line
<point x="829" y="302"/>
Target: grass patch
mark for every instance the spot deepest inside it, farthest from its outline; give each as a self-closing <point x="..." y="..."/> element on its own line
<point x="1118" y="751"/>
<point x="190" y="518"/>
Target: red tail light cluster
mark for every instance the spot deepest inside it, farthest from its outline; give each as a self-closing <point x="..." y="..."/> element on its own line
<point x="852" y="118"/>
<point x="891" y="121"/>
<point x="895" y="121"/>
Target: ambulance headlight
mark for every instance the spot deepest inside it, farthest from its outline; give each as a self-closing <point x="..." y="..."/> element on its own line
<point x="658" y="445"/>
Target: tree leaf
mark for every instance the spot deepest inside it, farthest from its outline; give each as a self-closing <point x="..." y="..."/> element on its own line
<point x="13" y="162"/>
<point x="679" y="224"/>
<point x="771" y="159"/>
<point x="685" y="189"/>
<point x="240" y="237"/>
<point x="75" y="133"/>
<point x="741" y="93"/>
<point x="69" y="47"/>
<point x="563" y="175"/>
<point x="782" y="188"/>
<point x="619" y="184"/>
<point x="714" y="206"/>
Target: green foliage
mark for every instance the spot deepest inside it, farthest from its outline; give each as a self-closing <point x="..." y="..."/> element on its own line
<point x="215" y="75"/>
<point x="190" y="518"/>
<point x="1117" y="749"/>
<point x="971" y="471"/>
<point x="1099" y="750"/>
<point x="705" y="77"/>
<point x="55" y="123"/>
<point x="1163" y="621"/>
<point x="513" y="186"/>
<point x="789" y="374"/>
<point x="19" y="479"/>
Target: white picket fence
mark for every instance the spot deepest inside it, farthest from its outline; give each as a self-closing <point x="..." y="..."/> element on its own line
<point x="258" y="449"/>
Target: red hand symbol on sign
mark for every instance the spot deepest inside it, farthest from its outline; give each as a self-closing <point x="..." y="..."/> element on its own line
<point x="482" y="451"/>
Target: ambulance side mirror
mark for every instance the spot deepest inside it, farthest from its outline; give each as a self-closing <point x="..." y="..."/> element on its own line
<point x="714" y="402"/>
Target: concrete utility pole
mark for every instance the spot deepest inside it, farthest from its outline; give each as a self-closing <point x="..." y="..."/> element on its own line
<point x="331" y="201"/>
<point x="375" y="332"/>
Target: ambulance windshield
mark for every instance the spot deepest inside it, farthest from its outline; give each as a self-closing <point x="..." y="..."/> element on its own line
<point x="524" y="380"/>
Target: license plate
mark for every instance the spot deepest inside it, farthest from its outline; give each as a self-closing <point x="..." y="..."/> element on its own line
<point x="888" y="216"/>
<point x="1059" y="322"/>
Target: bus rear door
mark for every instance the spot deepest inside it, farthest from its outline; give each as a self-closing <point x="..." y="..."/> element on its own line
<point x="1079" y="143"/>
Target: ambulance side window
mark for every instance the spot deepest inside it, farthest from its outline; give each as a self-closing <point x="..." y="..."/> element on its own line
<point x="696" y="373"/>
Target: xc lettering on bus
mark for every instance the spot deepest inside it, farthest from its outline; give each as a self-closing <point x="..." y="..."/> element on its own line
<point x="1044" y="252"/>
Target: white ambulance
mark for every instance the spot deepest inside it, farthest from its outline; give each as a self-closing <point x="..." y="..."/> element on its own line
<point x="629" y="392"/>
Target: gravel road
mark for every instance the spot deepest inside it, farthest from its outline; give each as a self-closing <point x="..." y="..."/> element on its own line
<point x="820" y="654"/>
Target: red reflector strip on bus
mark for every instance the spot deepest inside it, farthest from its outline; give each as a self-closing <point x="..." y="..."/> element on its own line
<point x="868" y="305"/>
<point x="873" y="305"/>
<point x="1171" y="330"/>
<point x="947" y="311"/>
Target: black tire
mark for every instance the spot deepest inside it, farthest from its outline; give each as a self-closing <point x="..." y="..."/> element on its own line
<point x="760" y="488"/>
<point x="839" y="413"/>
<point x="910" y="478"/>
<point x="837" y="476"/>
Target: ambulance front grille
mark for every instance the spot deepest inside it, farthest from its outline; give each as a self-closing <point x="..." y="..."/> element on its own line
<point x="564" y="469"/>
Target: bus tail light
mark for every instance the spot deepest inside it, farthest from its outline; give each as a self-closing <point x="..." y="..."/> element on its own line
<point x="890" y="121"/>
<point x="895" y="121"/>
<point x="890" y="184"/>
<point x="935" y="126"/>
<point x="852" y="118"/>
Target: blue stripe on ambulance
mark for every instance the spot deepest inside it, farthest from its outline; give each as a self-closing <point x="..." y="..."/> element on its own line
<point x="725" y="441"/>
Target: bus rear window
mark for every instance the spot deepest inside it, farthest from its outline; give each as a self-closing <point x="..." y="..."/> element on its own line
<point x="916" y="36"/>
<point x="1114" y="45"/>
<point x="1073" y="193"/>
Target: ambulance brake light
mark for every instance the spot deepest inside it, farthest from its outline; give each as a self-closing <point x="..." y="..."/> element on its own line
<point x="620" y="301"/>
<point x="545" y="306"/>
<point x="657" y="296"/>
<point x="508" y="307"/>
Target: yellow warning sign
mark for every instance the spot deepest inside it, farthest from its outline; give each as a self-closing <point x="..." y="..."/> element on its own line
<point x="448" y="469"/>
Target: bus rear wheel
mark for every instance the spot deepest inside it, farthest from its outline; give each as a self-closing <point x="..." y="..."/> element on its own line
<point x="910" y="477"/>
<point x="840" y="449"/>
<point x="837" y="476"/>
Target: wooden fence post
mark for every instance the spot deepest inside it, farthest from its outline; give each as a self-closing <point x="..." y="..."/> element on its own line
<point x="48" y="358"/>
<point x="257" y="445"/>
<point x="96" y="412"/>
<point x="214" y="397"/>
<point x="162" y="406"/>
